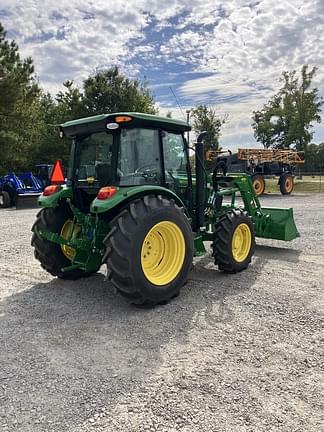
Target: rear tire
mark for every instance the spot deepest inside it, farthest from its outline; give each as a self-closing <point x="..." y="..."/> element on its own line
<point x="286" y="183"/>
<point x="48" y="253"/>
<point x="258" y="184"/>
<point x="234" y="241"/>
<point x="151" y="226"/>
<point x="5" y="200"/>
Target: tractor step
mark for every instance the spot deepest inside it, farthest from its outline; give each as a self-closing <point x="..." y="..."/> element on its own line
<point x="72" y="267"/>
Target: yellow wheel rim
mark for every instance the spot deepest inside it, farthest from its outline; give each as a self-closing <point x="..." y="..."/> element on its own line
<point x="163" y="253"/>
<point x="241" y="242"/>
<point x="69" y="231"/>
<point x="289" y="184"/>
<point x="258" y="186"/>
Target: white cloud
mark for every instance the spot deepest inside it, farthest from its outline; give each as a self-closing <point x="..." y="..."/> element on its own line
<point x="74" y="39"/>
<point x="247" y="53"/>
<point x="243" y="45"/>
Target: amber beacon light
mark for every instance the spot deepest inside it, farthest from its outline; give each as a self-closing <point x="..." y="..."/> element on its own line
<point x="121" y="119"/>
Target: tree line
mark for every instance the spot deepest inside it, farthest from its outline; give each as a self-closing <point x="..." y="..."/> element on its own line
<point x="29" y="115"/>
<point x="286" y="120"/>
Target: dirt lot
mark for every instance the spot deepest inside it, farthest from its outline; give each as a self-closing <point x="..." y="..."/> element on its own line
<point x="233" y="353"/>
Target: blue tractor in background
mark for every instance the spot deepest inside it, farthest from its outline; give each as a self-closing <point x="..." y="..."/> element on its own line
<point x="43" y="174"/>
<point x="24" y="189"/>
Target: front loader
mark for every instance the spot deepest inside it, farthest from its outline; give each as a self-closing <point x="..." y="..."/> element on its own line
<point x="133" y="202"/>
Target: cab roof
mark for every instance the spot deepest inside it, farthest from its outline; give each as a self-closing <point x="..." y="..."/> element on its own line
<point x="99" y="123"/>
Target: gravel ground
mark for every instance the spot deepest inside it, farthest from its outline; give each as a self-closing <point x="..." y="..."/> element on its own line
<point x="232" y="353"/>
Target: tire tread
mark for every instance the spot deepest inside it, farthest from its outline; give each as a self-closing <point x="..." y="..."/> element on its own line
<point x="118" y="241"/>
<point x="223" y="237"/>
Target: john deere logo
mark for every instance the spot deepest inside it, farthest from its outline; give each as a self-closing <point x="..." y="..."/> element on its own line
<point x="112" y="126"/>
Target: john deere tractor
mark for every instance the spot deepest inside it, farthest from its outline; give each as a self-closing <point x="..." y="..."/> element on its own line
<point x="133" y="202"/>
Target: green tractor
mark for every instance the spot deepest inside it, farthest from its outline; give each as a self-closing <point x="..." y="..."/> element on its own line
<point x="132" y="202"/>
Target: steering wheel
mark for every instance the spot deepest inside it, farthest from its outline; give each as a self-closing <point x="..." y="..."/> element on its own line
<point x="145" y="168"/>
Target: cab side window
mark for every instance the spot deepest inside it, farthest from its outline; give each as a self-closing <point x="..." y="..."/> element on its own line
<point x="175" y="162"/>
<point x="175" y="165"/>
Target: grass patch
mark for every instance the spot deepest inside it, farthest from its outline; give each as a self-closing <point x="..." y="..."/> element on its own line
<point x="308" y="184"/>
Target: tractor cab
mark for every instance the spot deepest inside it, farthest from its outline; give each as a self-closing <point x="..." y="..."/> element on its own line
<point x="126" y="150"/>
<point x="43" y="173"/>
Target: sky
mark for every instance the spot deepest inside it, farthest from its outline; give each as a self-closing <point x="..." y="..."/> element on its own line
<point x="226" y="54"/>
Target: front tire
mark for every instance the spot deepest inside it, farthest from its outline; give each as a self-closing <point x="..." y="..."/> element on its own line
<point x="149" y="251"/>
<point x="52" y="256"/>
<point x="234" y="241"/>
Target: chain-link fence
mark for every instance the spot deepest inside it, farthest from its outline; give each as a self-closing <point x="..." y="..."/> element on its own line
<point x="304" y="181"/>
<point x="309" y="181"/>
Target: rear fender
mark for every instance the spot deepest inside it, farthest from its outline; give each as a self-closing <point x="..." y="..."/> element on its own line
<point x="127" y="194"/>
<point x="52" y="201"/>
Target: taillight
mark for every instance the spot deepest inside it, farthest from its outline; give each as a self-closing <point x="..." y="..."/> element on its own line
<point x="50" y="190"/>
<point x="106" y="192"/>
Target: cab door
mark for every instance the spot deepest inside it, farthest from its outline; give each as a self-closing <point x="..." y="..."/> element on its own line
<point x="176" y="166"/>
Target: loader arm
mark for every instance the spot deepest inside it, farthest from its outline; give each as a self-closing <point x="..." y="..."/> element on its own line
<point x="269" y="222"/>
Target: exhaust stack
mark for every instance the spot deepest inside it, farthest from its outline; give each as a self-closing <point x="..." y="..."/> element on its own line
<point x="200" y="180"/>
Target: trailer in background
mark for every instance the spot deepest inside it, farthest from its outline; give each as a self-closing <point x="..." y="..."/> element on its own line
<point x="262" y="164"/>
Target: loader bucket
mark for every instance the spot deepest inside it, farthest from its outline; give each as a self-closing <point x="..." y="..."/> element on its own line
<point x="27" y="200"/>
<point x="278" y="223"/>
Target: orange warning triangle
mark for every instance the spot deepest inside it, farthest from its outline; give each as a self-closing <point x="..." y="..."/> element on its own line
<point x="57" y="176"/>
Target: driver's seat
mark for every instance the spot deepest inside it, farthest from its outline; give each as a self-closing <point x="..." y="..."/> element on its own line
<point x="104" y="174"/>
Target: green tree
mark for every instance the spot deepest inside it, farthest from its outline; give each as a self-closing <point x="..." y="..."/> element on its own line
<point x="19" y="94"/>
<point x="287" y="119"/>
<point x="70" y="103"/>
<point x="105" y="92"/>
<point x="49" y="146"/>
<point x="111" y="91"/>
<point x="28" y="116"/>
<point x="205" y="118"/>
<point x="314" y="158"/>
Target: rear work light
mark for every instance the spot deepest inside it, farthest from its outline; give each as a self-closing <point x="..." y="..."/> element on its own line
<point x="106" y="192"/>
<point x="50" y="190"/>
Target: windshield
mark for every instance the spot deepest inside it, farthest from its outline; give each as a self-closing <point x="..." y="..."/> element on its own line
<point x="139" y="159"/>
<point x="126" y="159"/>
